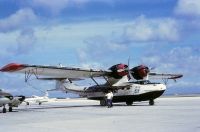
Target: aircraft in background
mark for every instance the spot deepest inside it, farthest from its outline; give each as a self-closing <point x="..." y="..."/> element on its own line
<point x="38" y="99"/>
<point x="129" y="85"/>
<point x="11" y="101"/>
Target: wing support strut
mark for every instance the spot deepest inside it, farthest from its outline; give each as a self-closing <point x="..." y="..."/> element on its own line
<point x="94" y="81"/>
<point x="107" y="81"/>
<point x="29" y="73"/>
<point x="165" y="81"/>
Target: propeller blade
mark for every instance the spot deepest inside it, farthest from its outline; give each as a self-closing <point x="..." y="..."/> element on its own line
<point x="129" y="71"/>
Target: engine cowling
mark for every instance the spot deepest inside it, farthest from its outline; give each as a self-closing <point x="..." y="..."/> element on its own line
<point x="119" y="70"/>
<point x="140" y="72"/>
<point x="17" y="101"/>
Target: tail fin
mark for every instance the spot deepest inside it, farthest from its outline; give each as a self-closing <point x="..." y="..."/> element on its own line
<point x="66" y="85"/>
<point x="46" y="94"/>
<point x="59" y="85"/>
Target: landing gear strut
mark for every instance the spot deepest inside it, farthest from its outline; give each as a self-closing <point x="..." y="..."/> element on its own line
<point x="151" y="102"/>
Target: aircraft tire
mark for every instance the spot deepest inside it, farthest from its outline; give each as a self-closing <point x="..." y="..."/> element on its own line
<point x="151" y="102"/>
<point x="129" y="103"/>
<point x="40" y="103"/>
<point x="27" y="103"/>
<point x="4" y="110"/>
<point x="10" y="109"/>
<point x="103" y="102"/>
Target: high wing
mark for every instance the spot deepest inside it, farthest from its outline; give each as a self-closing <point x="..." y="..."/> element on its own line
<point x="53" y="71"/>
<point x="164" y="76"/>
<point x="70" y="72"/>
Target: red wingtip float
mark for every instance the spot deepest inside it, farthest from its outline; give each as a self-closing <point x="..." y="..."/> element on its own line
<point x="12" y="67"/>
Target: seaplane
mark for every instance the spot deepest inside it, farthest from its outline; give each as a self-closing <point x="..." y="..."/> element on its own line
<point x="128" y="85"/>
<point x="10" y="100"/>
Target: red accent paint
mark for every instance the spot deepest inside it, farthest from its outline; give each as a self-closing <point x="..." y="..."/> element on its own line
<point x="122" y="67"/>
<point x="119" y="70"/>
<point x="12" y="67"/>
<point x="142" y="72"/>
<point x="123" y="73"/>
<point x="139" y="72"/>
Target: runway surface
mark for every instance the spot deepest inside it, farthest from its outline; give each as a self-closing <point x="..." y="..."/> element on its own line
<point x="174" y="114"/>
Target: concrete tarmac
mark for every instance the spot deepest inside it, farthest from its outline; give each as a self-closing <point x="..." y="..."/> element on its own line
<point x="174" y="114"/>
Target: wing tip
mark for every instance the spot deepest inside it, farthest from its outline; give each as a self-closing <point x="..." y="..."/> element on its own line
<point x="177" y="76"/>
<point x="12" y="67"/>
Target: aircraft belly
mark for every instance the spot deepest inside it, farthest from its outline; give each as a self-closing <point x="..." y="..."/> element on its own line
<point x="138" y="97"/>
<point x="134" y="93"/>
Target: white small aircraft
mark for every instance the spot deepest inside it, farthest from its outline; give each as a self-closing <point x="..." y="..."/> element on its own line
<point x="7" y="98"/>
<point x="129" y="85"/>
<point x="39" y="99"/>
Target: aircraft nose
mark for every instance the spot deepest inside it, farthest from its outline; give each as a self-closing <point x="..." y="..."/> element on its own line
<point x="22" y="98"/>
<point x="163" y="87"/>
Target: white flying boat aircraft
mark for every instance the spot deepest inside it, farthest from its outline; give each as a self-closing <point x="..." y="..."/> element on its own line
<point x="129" y="85"/>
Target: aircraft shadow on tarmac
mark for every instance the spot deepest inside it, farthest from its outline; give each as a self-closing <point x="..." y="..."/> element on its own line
<point x="79" y="106"/>
<point x="11" y="112"/>
<point x="75" y="106"/>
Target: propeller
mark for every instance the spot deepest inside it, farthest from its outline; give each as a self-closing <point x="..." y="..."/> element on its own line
<point x="130" y="77"/>
<point x="140" y="72"/>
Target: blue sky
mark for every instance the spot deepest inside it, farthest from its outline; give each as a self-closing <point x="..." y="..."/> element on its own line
<point x="98" y="34"/>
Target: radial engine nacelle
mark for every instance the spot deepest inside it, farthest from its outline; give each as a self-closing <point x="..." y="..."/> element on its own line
<point x="139" y="72"/>
<point x="119" y="70"/>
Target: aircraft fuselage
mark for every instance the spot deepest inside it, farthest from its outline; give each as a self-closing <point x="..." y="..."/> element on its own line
<point x="4" y="101"/>
<point x="136" y="92"/>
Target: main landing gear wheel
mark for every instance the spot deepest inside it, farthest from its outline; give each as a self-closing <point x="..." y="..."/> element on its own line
<point x="10" y="109"/>
<point x="129" y="103"/>
<point x="4" y="109"/>
<point x="151" y="102"/>
<point x="103" y="102"/>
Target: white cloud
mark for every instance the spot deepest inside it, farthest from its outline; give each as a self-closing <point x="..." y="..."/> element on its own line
<point x="143" y="29"/>
<point x="188" y="7"/>
<point x="22" y="18"/>
<point x="185" y="60"/>
<point x="25" y="41"/>
<point x="99" y="47"/>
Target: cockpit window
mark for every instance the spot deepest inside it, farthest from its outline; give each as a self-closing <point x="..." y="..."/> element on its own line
<point x="144" y="82"/>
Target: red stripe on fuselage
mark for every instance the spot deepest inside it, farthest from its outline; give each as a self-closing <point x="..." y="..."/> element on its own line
<point x="12" y="67"/>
